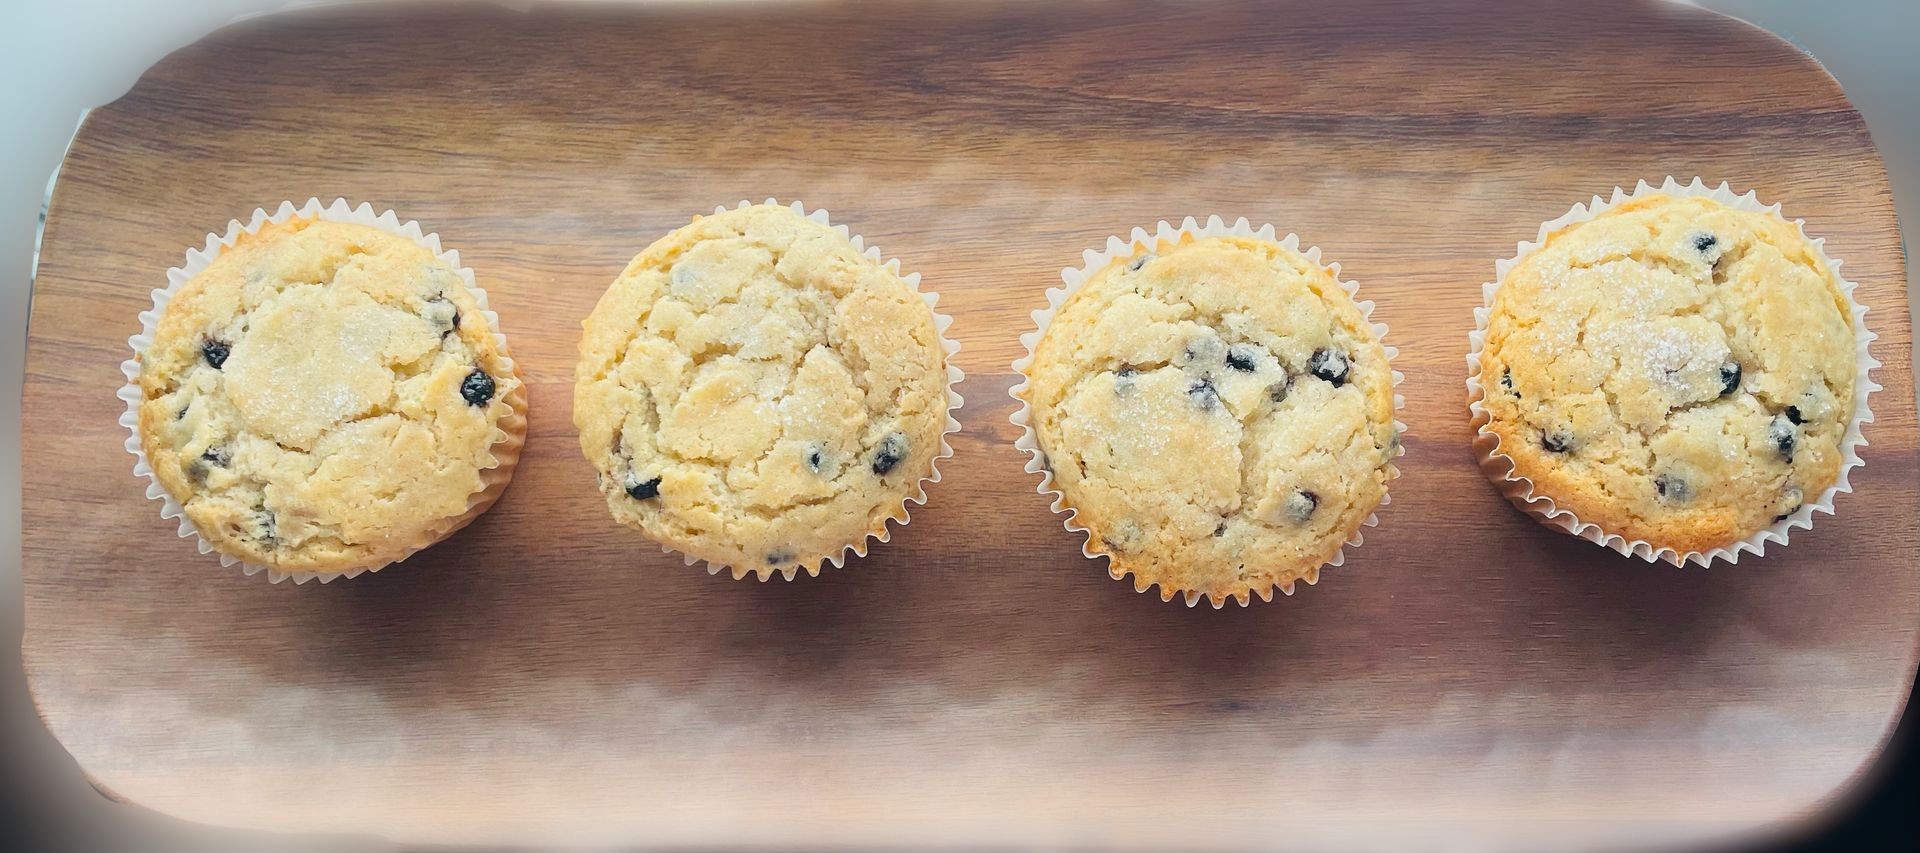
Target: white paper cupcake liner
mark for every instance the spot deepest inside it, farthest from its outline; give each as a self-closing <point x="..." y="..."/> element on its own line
<point x="948" y="347"/>
<point x="1165" y="234"/>
<point x="509" y="434"/>
<point x="1499" y="467"/>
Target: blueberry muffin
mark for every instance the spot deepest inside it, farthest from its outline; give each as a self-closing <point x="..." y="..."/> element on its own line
<point x="327" y="397"/>
<point x="1673" y="370"/>
<point x="755" y="393"/>
<point x="1218" y="413"/>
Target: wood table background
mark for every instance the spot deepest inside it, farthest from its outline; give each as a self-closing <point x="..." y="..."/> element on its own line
<point x="547" y="672"/>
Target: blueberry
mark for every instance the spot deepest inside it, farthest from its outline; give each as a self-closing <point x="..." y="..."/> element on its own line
<point x="1330" y="365"/>
<point x="775" y="558"/>
<point x="1301" y="504"/>
<point x="441" y="304"/>
<point x="1506" y="379"/>
<point x="1705" y="242"/>
<point x="1784" y="435"/>
<point x="1277" y="392"/>
<point x="212" y="457"/>
<point x="477" y="388"/>
<point x="1123" y="379"/>
<point x="1204" y="395"/>
<point x="1729" y="377"/>
<point x="1793" y="414"/>
<point x="892" y="449"/>
<point x="1672" y="488"/>
<point x="1240" y="357"/>
<point x="640" y="491"/>
<point x="261" y="526"/>
<point x="816" y="459"/>
<point x="215" y="352"/>
<point x="1135" y="264"/>
<point x="1557" y="440"/>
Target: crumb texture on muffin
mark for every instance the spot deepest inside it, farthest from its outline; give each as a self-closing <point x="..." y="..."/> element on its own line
<point x="1219" y="415"/>
<point x="755" y="393"/>
<point x="323" y="397"/>
<point x="1673" y="370"/>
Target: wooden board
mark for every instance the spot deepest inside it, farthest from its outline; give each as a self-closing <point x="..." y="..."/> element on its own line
<point x="548" y="673"/>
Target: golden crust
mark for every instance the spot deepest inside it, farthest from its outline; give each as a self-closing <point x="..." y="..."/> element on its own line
<point x="1673" y="370"/>
<point x="334" y="436"/>
<point x="1181" y="406"/>
<point x="753" y="392"/>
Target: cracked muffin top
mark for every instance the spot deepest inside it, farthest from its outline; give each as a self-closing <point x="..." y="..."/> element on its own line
<point x="1219" y="415"/>
<point x="323" y="396"/>
<point x="755" y="393"/>
<point x="1673" y="370"/>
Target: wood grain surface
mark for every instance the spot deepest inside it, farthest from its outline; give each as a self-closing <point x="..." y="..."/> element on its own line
<point x="548" y="673"/>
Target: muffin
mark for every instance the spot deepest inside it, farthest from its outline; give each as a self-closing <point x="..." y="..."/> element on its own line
<point x="755" y="392"/>
<point x="1217" y="413"/>
<point x="327" y="397"/>
<point x="1674" y="370"/>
